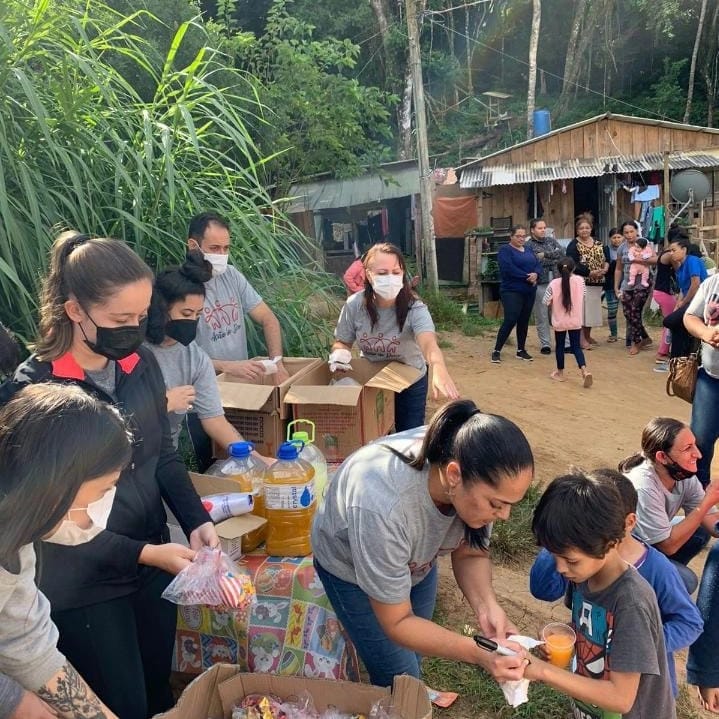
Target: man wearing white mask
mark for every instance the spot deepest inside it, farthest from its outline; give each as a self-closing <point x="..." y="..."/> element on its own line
<point x="390" y="323"/>
<point x="229" y="297"/>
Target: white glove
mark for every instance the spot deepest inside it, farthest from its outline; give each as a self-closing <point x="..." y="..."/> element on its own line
<point x="270" y="365"/>
<point x="340" y="360"/>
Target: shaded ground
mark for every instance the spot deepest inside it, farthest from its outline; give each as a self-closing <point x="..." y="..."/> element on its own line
<point x="566" y="425"/>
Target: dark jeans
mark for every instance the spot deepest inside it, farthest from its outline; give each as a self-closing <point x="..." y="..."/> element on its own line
<point x="123" y="648"/>
<point x="702" y="665"/>
<point x="201" y="442"/>
<point x="517" y="311"/>
<point x="409" y="405"/>
<point x="633" y="303"/>
<point x="381" y="656"/>
<point x="686" y="553"/>
<point x="681" y="339"/>
<point x="575" y="347"/>
<point x="705" y="421"/>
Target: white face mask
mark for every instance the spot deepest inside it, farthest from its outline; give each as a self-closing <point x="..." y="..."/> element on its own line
<point x="218" y="262"/>
<point x="387" y="286"/>
<point x="71" y="534"/>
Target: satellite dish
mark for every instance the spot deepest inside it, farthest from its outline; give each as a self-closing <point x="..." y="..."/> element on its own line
<point x="690" y="186"/>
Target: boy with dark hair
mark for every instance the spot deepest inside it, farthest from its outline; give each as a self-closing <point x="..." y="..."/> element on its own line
<point x="621" y="662"/>
<point x="680" y="617"/>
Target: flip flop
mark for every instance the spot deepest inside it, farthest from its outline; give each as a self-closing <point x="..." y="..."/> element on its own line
<point x="588" y="379"/>
<point x="557" y="378"/>
<point x="612" y="339"/>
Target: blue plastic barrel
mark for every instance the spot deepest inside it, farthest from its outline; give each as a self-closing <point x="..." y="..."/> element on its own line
<point x="542" y="122"/>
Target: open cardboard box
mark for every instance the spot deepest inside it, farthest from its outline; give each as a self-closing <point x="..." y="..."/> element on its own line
<point x="213" y="694"/>
<point x="257" y="409"/>
<point x="232" y="531"/>
<point x="348" y="417"/>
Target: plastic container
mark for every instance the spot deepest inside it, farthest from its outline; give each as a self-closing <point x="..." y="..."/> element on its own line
<point x="310" y="453"/>
<point x="289" y="503"/>
<point x="224" y="506"/>
<point x="249" y="473"/>
<point x="542" y="121"/>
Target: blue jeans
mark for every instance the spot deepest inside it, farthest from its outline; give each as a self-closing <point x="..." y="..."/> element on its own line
<point x="381" y="656"/>
<point x="705" y="421"/>
<point x="702" y="665"/>
<point x="681" y="558"/>
<point x="410" y="404"/>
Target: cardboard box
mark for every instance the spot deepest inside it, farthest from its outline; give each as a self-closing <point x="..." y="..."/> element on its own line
<point x="348" y="417"/>
<point x="257" y="410"/>
<point x="213" y="694"/>
<point x="232" y="531"/>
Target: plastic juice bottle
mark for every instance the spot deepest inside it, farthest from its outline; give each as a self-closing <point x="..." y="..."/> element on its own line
<point x="289" y="503"/>
<point x="248" y="472"/>
<point x="311" y="453"/>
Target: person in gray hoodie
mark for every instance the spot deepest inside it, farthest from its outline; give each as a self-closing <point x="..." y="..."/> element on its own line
<point x="548" y="252"/>
<point x="61" y="452"/>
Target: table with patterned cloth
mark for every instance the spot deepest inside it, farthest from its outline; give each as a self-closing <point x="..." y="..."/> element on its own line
<point x="291" y="629"/>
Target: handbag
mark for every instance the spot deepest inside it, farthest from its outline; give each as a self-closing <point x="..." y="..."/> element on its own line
<point x="682" y="379"/>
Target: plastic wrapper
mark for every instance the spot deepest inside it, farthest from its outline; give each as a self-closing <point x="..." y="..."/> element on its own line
<point x="212" y="579"/>
<point x="384" y="709"/>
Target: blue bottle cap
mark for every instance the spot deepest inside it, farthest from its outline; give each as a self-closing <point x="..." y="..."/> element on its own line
<point x="241" y="449"/>
<point x="288" y="450"/>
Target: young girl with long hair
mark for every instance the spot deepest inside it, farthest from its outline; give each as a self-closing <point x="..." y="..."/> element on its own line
<point x="106" y="593"/>
<point x="61" y="454"/>
<point x="390" y="323"/>
<point x="565" y="297"/>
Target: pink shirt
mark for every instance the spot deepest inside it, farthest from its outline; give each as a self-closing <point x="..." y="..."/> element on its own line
<point x="561" y="319"/>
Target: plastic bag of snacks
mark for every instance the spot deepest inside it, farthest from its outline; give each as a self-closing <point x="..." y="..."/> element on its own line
<point x="212" y="579"/>
<point x="269" y="706"/>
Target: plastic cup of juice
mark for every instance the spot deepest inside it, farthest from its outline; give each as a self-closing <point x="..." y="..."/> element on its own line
<point x="559" y="642"/>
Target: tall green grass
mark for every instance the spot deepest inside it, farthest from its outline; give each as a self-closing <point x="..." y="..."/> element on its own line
<point x="80" y="148"/>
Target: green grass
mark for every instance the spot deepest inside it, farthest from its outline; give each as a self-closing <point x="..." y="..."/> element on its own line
<point x="512" y="541"/>
<point x="451" y="314"/>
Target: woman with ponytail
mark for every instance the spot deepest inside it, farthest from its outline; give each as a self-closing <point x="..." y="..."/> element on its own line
<point x="565" y="297"/>
<point x="176" y="306"/>
<point x="105" y="590"/>
<point x="392" y="508"/>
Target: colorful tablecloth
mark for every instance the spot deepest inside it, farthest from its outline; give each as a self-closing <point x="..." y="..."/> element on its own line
<point x="290" y="630"/>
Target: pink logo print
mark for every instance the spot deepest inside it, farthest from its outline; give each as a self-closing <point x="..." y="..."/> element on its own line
<point x="222" y="315"/>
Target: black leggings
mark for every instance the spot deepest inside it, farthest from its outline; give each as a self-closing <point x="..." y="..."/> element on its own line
<point x="681" y="339"/>
<point x="123" y="647"/>
<point x="517" y="311"/>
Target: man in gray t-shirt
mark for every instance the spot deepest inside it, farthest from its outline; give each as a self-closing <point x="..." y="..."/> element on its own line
<point x="229" y="298"/>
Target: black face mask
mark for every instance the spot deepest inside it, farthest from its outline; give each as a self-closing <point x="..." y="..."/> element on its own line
<point x="116" y="343"/>
<point x="184" y="331"/>
<point x="677" y="472"/>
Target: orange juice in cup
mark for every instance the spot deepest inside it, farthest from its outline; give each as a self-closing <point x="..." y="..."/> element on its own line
<point x="559" y="642"/>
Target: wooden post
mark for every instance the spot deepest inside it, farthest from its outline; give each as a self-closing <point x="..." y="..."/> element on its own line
<point x="667" y="197"/>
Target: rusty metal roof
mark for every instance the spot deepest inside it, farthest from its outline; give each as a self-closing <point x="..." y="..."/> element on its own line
<point x="477" y="176"/>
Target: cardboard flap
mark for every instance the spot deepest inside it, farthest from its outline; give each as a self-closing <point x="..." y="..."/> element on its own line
<point x="206" y="484"/>
<point x="395" y="377"/>
<point x="320" y="394"/>
<point x="235" y="527"/>
<point x="237" y="395"/>
<point x="410" y="697"/>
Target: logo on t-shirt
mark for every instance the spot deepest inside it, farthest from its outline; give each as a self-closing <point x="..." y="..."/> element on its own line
<point x="379" y="346"/>
<point x="224" y="319"/>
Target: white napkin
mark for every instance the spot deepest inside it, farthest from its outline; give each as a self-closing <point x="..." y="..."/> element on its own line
<point x="270" y="365"/>
<point x="515" y="692"/>
<point x="340" y="360"/>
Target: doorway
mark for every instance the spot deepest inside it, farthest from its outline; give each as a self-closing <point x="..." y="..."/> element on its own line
<point x="586" y="199"/>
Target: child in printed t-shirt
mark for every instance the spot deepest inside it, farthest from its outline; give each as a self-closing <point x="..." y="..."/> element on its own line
<point x="681" y="618"/>
<point x="621" y="662"/>
<point x="638" y="270"/>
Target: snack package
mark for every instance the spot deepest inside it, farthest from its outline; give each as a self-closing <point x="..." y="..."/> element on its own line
<point x="212" y="579"/>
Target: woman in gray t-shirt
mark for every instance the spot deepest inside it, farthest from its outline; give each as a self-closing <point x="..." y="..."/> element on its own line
<point x="390" y="323"/>
<point x="392" y="508"/>
<point x="177" y="300"/>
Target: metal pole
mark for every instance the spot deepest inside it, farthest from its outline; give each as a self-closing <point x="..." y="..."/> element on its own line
<point x="425" y="181"/>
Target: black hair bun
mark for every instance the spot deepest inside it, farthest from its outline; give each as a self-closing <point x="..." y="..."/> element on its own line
<point x="196" y="268"/>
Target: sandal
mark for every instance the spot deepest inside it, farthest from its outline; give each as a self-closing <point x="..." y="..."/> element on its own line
<point x="588" y="379"/>
<point x="612" y="339"/>
<point x="557" y="377"/>
<point x="633" y="351"/>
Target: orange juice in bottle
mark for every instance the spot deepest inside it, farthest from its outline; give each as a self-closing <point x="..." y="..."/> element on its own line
<point x="248" y="472"/>
<point x="289" y="503"/>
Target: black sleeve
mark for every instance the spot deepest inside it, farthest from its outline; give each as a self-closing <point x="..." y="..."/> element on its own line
<point x="171" y="474"/>
<point x="573" y="251"/>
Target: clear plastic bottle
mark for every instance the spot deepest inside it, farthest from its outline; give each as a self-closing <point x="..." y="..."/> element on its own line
<point x="249" y="473"/>
<point x="289" y="503"/>
<point x="311" y="453"/>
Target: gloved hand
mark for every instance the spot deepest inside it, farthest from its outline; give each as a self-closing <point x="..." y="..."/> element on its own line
<point x="340" y="360"/>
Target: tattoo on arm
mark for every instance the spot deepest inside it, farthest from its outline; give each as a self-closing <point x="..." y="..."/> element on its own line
<point x="71" y="696"/>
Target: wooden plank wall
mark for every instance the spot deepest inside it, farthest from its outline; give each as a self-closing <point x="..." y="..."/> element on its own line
<point x="605" y="138"/>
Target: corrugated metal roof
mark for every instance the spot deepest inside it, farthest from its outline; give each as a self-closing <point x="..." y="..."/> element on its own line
<point x="564" y="170"/>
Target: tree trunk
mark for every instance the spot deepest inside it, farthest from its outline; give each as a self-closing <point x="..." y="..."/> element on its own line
<point x="405" y="117"/>
<point x="381" y="13"/>
<point x="468" y="49"/>
<point x="572" y="62"/>
<point x="533" y="45"/>
<point x="693" y="66"/>
<point x="710" y="64"/>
